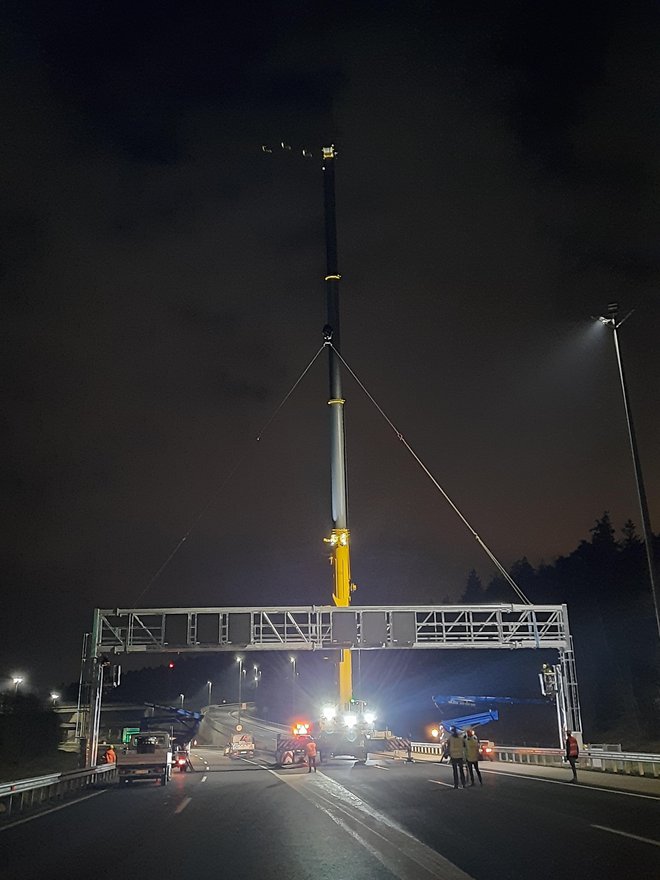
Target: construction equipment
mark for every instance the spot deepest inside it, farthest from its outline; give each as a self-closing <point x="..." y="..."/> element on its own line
<point x="343" y="729"/>
<point x="184" y="724"/>
<point x="442" y="700"/>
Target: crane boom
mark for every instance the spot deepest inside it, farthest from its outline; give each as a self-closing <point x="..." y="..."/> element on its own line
<point x="339" y="537"/>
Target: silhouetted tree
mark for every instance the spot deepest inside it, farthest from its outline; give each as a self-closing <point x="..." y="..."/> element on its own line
<point x="474" y="592"/>
<point x="629" y="532"/>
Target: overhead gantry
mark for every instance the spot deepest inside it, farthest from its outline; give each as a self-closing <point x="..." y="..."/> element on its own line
<point x="119" y="631"/>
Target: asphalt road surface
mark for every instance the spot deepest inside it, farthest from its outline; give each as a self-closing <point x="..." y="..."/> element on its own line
<point x="243" y="820"/>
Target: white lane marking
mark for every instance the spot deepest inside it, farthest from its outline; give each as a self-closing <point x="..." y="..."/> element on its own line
<point x="398" y="850"/>
<point x="437" y="782"/>
<point x="203" y="778"/>
<point x="583" y="787"/>
<point x="52" y="810"/>
<point x="184" y="803"/>
<point x="625" y="834"/>
<point x="378" y="767"/>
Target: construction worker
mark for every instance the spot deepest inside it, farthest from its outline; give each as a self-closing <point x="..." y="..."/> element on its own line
<point x="110" y="755"/>
<point x="572" y="753"/>
<point x="456" y="756"/>
<point x="472" y="756"/>
<point x="310" y="751"/>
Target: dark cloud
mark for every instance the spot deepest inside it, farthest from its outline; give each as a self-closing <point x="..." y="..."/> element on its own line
<point x="162" y="291"/>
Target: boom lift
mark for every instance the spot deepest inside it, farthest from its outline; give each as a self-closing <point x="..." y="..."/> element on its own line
<point x="183" y="723"/>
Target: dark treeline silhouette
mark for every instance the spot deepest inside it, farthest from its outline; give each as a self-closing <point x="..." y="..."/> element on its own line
<point x="605" y="584"/>
<point x="28" y="729"/>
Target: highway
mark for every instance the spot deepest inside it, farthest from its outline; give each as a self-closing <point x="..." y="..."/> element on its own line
<point x="386" y="819"/>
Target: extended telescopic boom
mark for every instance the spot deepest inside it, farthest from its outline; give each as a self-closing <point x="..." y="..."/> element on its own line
<point x="339" y="538"/>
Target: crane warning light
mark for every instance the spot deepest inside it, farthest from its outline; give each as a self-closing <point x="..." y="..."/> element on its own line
<point x="170" y="665"/>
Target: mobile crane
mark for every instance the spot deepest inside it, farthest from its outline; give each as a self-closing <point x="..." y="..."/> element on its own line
<point x="343" y="728"/>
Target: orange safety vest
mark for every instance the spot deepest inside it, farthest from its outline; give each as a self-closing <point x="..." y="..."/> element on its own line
<point x="310" y="748"/>
<point x="572" y="748"/>
<point x="110" y="756"/>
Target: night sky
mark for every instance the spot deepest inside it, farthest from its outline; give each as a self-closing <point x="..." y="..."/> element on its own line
<point x="162" y="290"/>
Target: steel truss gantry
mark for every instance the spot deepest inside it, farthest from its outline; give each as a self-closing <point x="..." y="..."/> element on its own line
<point x="327" y="627"/>
<point x="313" y="627"/>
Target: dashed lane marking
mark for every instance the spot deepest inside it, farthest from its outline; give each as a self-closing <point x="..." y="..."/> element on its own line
<point x="437" y="782"/>
<point x="626" y="834"/>
<point x="184" y="803"/>
<point x="203" y="778"/>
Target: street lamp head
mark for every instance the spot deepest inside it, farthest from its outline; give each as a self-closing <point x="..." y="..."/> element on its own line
<point x="54" y="697"/>
<point x="239" y="659"/>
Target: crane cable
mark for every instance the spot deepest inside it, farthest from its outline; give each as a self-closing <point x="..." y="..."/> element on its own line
<point x="238" y="464"/>
<point x="505" y="574"/>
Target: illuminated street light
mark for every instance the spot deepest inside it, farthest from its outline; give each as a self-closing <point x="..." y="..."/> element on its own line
<point x="54" y="698"/>
<point x="16" y="681"/>
<point x="612" y="321"/>
<point x="209" y="686"/>
<point x="181" y="697"/>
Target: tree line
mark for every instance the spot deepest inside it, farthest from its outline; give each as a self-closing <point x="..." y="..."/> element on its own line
<point x="605" y="584"/>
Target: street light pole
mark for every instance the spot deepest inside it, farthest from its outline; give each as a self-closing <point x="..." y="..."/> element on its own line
<point x="16" y="681"/>
<point x="611" y="320"/>
<point x="293" y="685"/>
<point x="208" y="683"/>
<point x="182" y="696"/>
<point x="239" y="660"/>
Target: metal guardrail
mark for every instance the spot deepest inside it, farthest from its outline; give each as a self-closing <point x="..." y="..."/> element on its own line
<point x="627" y="763"/>
<point x="15" y="797"/>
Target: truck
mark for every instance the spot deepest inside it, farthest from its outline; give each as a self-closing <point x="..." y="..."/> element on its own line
<point x="147" y="755"/>
<point x="241" y="745"/>
<point x="291" y="748"/>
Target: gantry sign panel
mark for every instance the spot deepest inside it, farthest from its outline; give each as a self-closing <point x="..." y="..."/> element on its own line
<point x="313" y="627"/>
